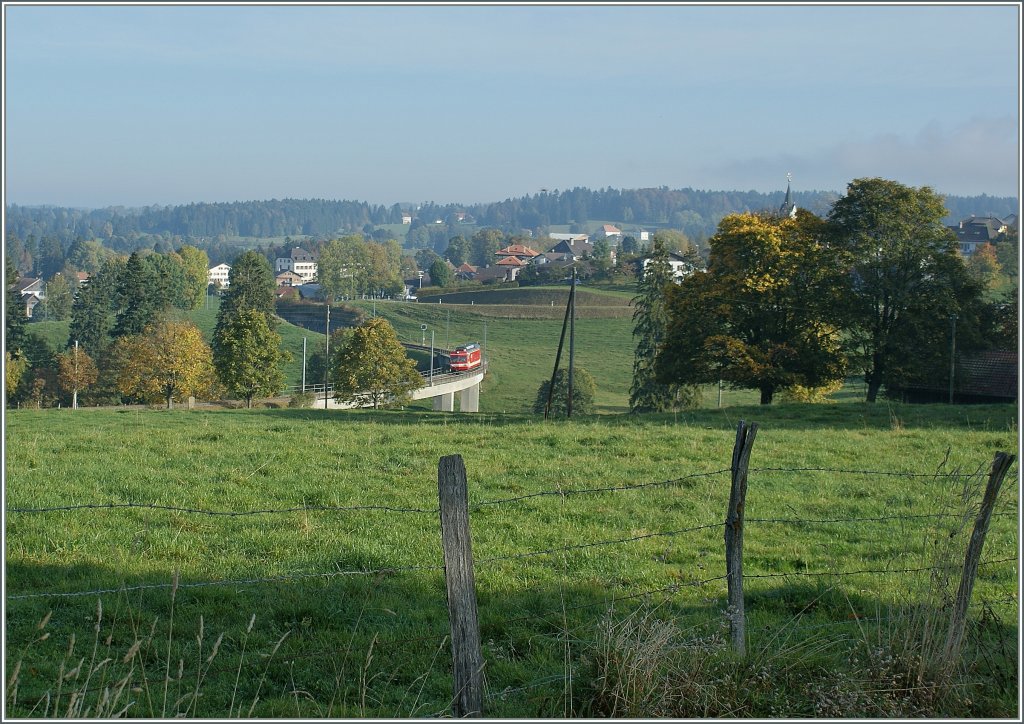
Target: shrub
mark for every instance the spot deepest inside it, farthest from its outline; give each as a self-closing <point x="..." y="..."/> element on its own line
<point x="302" y="400"/>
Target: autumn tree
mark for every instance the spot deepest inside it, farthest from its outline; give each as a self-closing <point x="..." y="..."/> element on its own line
<point x="650" y="322"/>
<point x="906" y="277"/>
<point x="248" y="357"/>
<point x="762" y="316"/>
<point x="583" y="391"/>
<point x="168" y="361"/>
<point x="373" y="368"/>
<point x="984" y="265"/>
<point x="75" y="371"/>
<point x="14" y="370"/>
<point x="195" y="265"/>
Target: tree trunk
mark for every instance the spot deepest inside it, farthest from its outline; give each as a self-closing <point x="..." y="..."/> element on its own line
<point x="766" y="395"/>
<point x="874" y="378"/>
<point x="248" y="402"/>
<point x="170" y="401"/>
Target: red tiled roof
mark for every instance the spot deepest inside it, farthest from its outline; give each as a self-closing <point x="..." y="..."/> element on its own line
<point x="511" y="261"/>
<point x="517" y="250"/>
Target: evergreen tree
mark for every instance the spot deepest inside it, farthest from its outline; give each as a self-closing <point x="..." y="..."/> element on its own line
<point x="14" y="317"/>
<point x="136" y="292"/>
<point x="650" y="320"/>
<point x="92" y="309"/>
<point x="250" y="286"/>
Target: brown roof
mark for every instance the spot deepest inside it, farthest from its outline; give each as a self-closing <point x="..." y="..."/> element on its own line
<point x="517" y="250"/>
<point x="992" y="374"/>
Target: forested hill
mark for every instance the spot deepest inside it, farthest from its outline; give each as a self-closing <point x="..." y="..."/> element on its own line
<point x="695" y="212"/>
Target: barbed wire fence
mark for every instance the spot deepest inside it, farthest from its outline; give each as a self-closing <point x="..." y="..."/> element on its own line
<point x="471" y="679"/>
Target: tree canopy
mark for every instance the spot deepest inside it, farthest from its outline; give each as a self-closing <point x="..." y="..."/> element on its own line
<point x="373" y="368"/>
<point x="169" y="360"/>
<point x="763" y="314"/>
<point x="906" y="279"/>
<point x="583" y="390"/>
<point x="248" y="356"/>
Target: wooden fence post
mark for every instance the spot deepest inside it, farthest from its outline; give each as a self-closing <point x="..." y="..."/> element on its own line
<point x="734" y="533"/>
<point x="958" y="622"/>
<point x="467" y="657"/>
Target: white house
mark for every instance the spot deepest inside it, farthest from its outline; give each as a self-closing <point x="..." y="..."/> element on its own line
<point x="680" y="267"/>
<point x="218" y="275"/>
<point x="298" y="261"/>
<point x="607" y="231"/>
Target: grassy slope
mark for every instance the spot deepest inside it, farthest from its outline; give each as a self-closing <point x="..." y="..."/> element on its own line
<point x="239" y="461"/>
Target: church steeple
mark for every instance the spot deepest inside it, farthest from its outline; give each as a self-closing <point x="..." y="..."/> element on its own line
<point x="788" y="208"/>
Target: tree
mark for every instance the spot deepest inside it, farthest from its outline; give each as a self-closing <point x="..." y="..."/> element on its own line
<point x="650" y="322"/>
<point x="344" y="267"/>
<point x="583" y="390"/>
<point x="248" y="356"/>
<point x="984" y="265"/>
<point x="169" y="360"/>
<point x="91" y="311"/>
<point x="763" y="314"/>
<point x="139" y="304"/>
<point x="440" y="274"/>
<point x="458" y="250"/>
<point x="196" y="265"/>
<point x="14" y="370"/>
<point x="88" y="256"/>
<point x="372" y="367"/>
<point x="905" y="271"/>
<point x="58" y="298"/>
<point x="250" y="286"/>
<point x="483" y="246"/>
<point x="14" y="311"/>
<point x="75" y="371"/>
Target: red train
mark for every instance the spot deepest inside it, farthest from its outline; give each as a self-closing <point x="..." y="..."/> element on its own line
<point x="465" y="357"/>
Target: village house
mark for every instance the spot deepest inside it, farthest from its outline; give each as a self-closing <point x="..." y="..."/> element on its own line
<point x="299" y="261"/>
<point x="31" y="291"/>
<point x="218" y="276"/>
<point x="979" y="230"/>
<point x="518" y="251"/>
<point x="289" y="279"/>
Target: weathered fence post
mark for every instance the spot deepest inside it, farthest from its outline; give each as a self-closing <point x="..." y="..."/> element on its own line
<point x="958" y="622"/>
<point x="467" y="657"/>
<point x="734" y="533"/>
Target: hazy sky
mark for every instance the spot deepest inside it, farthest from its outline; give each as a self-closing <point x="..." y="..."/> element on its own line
<point x="108" y="105"/>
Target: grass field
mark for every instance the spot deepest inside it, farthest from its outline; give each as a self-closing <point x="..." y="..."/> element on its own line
<point x="349" y="604"/>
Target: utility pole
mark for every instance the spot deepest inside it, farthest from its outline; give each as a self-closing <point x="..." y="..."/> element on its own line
<point x="431" y="358"/>
<point x="303" y="365"/>
<point x="572" y="340"/>
<point x="327" y="352"/>
<point x="447" y="324"/>
<point x="952" y="355"/>
<point x="74" y="395"/>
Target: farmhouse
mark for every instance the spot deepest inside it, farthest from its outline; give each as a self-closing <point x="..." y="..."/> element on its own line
<point x="517" y="251"/>
<point x="289" y="279"/>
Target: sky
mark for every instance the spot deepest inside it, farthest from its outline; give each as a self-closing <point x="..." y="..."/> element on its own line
<point x="140" y="105"/>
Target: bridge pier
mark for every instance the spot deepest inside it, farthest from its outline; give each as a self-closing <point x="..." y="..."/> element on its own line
<point x="469" y="399"/>
<point x="445" y="402"/>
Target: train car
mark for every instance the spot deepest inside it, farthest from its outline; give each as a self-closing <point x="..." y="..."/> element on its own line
<point x="465" y="357"/>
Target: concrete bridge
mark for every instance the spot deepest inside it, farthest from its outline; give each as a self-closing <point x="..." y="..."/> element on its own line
<point x="439" y="387"/>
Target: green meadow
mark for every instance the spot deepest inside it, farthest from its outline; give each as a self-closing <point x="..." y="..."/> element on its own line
<point x="287" y="563"/>
<point x="332" y="602"/>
